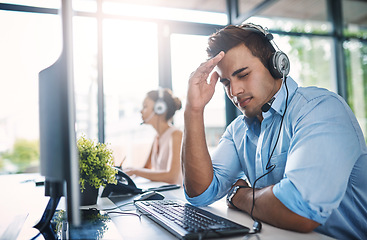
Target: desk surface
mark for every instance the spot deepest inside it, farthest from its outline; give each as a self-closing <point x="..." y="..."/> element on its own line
<point x="23" y="202"/>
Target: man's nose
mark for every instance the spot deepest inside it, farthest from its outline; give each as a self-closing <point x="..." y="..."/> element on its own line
<point x="235" y="89"/>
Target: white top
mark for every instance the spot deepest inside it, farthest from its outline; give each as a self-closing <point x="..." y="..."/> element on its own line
<point x="161" y="158"/>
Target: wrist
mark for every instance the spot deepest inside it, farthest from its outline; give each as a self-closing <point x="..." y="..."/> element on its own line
<point x="231" y="195"/>
<point x="193" y="117"/>
<point x="192" y="111"/>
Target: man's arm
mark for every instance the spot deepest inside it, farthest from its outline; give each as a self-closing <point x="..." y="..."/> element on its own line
<point x="196" y="162"/>
<point x="270" y="210"/>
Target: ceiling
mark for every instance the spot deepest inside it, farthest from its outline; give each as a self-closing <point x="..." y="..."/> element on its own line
<point x="354" y="11"/>
<point x="203" y="5"/>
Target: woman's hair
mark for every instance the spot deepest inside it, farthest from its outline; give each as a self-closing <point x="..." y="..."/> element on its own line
<point x="231" y="36"/>
<point x="173" y="103"/>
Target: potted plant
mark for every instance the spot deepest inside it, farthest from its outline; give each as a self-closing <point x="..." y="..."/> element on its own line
<point x="96" y="168"/>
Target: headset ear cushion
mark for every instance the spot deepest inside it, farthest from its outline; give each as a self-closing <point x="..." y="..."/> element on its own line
<point x="160" y="107"/>
<point x="279" y="64"/>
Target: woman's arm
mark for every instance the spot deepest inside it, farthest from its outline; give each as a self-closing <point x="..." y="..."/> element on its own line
<point x="170" y="175"/>
<point x="148" y="163"/>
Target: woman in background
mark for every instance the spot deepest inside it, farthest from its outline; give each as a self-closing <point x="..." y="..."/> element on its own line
<point x="163" y="163"/>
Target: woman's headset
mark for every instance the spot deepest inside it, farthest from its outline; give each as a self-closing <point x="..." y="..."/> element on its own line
<point x="279" y="64"/>
<point x="160" y="106"/>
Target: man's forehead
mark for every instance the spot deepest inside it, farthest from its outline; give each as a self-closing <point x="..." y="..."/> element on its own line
<point x="224" y="67"/>
<point x="218" y="70"/>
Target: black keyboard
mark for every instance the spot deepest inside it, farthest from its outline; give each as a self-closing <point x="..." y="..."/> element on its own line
<point x="186" y="221"/>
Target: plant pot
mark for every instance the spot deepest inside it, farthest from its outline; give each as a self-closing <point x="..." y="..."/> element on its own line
<point x="89" y="195"/>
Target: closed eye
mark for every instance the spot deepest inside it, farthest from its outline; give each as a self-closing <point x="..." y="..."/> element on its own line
<point x="242" y="76"/>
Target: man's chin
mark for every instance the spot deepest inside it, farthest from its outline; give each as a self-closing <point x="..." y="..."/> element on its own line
<point x="248" y="111"/>
<point x="249" y="114"/>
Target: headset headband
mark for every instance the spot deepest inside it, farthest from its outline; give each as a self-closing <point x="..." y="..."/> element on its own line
<point x="279" y="64"/>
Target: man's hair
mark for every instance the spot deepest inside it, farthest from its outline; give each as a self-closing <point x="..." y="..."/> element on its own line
<point x="231" y="36"/>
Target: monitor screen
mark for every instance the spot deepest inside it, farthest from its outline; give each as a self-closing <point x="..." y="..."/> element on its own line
<point x="59" y="156"/>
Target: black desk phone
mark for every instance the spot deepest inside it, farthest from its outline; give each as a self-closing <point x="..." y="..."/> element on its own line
<point x="125" y="185"/>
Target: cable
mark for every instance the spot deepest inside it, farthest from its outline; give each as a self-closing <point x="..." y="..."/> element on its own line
<point x="257" y="224"/>
<point x="35" y="237"/>
<point x="122" y="205"/>
<point x="134" y="214"/>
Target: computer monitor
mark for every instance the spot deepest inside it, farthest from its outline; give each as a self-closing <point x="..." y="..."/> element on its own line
<point x="58" y="149"/>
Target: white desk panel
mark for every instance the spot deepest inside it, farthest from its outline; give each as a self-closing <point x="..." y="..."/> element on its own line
<point x="22" y="202"/>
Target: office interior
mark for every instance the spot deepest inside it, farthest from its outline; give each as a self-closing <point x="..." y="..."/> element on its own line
<point x="124" y="48"/>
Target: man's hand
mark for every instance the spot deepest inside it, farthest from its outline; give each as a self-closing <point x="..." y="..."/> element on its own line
<point x="199" y="90"/>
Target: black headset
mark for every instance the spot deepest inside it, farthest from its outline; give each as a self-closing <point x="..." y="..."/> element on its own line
<point x="160" y="106"/>
<point x="279" y="67"/>
<point x="279" y="64"/>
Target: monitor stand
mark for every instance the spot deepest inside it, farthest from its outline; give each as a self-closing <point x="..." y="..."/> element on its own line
<point x="44" y="225"/>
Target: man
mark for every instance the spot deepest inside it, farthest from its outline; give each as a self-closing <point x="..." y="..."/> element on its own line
<point x="298" y="154"/>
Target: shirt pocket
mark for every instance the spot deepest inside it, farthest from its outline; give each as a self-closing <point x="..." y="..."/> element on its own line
<point x="279" y="161"/>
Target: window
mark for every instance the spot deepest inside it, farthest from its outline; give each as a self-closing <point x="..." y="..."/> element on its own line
<point x="356" y="56"/>
<point x="161" y="11"/>
<point x="310" y="60"/>
<point x="188" y="52"/>
<point x="310" y="57"/>
<point x="32" y="42"/>
<point x="355" y="50"/>
<point x="304" y="16"/>
<point x="85" y="76"/>
<point x="354" y="14"/>
<point x="130" y="61"/>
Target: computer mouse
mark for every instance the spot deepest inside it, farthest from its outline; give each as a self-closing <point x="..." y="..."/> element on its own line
<point x="151" y="195"/>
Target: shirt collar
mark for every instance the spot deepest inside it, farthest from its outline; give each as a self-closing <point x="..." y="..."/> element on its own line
<point x="280" y="97"/>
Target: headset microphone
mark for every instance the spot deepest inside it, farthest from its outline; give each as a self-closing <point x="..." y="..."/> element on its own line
<point x="148" y="118"/>
<point x="267" y="105"/>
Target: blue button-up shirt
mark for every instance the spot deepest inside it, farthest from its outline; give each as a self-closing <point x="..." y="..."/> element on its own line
<point x="320" y="159"/>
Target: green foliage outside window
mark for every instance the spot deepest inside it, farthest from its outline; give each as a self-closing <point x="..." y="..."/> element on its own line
<point x="1" y="163"/>
<point x="24" y="154"/>
<point x="313" y="58"/>
<point x="356" y="66"/>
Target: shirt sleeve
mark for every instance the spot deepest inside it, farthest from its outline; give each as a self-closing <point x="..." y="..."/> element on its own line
<point x="320" y="159"/>
<point x="226" y="166"/>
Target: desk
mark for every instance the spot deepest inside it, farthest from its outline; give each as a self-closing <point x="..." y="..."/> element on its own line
<point x="20" y="197"/>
